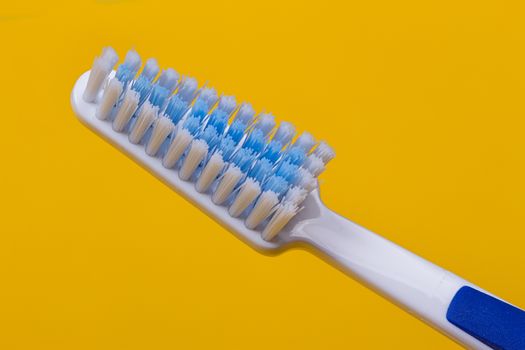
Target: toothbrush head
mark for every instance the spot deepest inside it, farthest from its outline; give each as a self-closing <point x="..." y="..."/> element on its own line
<point x="239" y="168"/>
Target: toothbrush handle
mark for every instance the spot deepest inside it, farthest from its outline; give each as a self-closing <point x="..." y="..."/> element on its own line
<point x="447" y="302"/>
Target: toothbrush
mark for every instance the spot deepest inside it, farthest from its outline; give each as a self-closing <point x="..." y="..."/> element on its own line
<point x="259" y="180"/>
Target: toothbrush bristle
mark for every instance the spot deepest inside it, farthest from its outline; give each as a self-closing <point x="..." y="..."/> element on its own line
<point x="132" y="61"/>
<point x="324" y="151"/>
<point x="245" y="114"/>
<point x="227" y="104"/>
<point x="168" y="79"/>
<point x="109" y="99"/>
<point x="100" y="70"/>
<point x="187" y="89"/>
<point x="243" y="162"/>
<point x="151" y="69"/>
<point x="265" y="122"/>
<point x="284" y="133"/>
<point x="306" y="141"/>
<point x="236" y="130"/>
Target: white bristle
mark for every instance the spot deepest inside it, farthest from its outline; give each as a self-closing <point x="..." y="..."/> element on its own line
<point x="245" y="114"/>
<point x="99" y="72"/>
<point x="110" y="56"/>
<point x="127" y="107"/>
<point x="262" y="209"/>
<point x="296" y="195"/>
<point x="178" y="145"/>
<point x="284" y="133"/>
<point x="280" y="218"/>
<point x="146" y="117"/>
<point x="265" y="122"/>
<point x="227" y="183"/>
<point x="227" y="104"/>
<point x="168" y="79"/>
<point x="325" y="152"/>
<point x="151" y="69"/>
<point x="209" y="95"/>
<point x="109" y="99"/>
<point x="306" y="141"/>
<point x="162" y="127"/>
<point x="198" y="150"/>
<point x="210" y="172"/>
<point x="314" y="164"/>
<point x="132" y="61"/>
<point x="248" y="191"/>
<point x="306" y="180"/>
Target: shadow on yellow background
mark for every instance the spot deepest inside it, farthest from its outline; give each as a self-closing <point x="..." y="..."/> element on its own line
<point x="423" y="102"/>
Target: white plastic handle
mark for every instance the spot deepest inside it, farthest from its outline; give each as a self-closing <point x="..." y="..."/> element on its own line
<point x="418" y="286"/>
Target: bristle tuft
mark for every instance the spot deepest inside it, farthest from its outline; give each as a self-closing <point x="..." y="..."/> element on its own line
<point x="147" y="115"/>
<point x="175" y="150"/>
<point x="284" y="133"/>
<point x="227" y="104"/>
<point x="198" y="150"/>
<point x="187" y="89"/>
<point x="162" y="127"/>
<point x="168" y="79"/>
<point x="151" y="69"/>
<point x="314" y="164"/>
<point x="210" y="172"/>
<point x="109" y="99"/>
<point x="248" y="191"/>
<point x="325" y="152"/>
<point x="227" y="183"/>
<point x="99" y="73"/>
<point x="265" y="122"/>
<point x="132" y="61"/>
<point x="306" y="141"/>
<point x="262" y="209"/>
<point x="280" y="218"/>
<point x="245" y="114"/>
<point x="127" y="108"/>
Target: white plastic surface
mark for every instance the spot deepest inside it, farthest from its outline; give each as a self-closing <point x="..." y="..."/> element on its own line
<point x="413" y="283"/>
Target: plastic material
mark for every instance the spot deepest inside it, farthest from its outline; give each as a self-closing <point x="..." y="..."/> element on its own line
<point x="494" y="322"/>
<point x="415" y="284"/>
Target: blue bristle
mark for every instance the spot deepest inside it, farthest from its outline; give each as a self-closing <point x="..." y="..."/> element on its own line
<point x="187" y="90"/>
<point x="255" y="141"/>
<point x="158" y="95"/>
<point x="261" y="169"/>
<point x="243" y="159"/>
<point x="175" y="109"/>
<point x="236" y="130"/>
<point x="273" y="151"/>
<point x="219" y="119"/>
<point x="276" y="184"/>
<point x="245" y="114"/>
<point x="209" y="95"/>
<point x="210" y="136"/>
<point x="295" y="155"/>
<point x="287" y="171"/>
<point x="168" y="79"/>
<point x="124" y="75"/>
<point x="284" y="133"/>
<point x="265" y="122"/>
<point x="132" y="61"/>
<point x="143" y="87"/>
<point x="227" y="104"/>
<point x="151" y="69"/>
<point x="227" y="146"/>
<point x="200" y="109"/>
<point x="192" y="124"/>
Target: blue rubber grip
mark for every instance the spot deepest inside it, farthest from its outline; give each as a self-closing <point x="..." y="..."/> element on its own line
<point x="490" y="320"/>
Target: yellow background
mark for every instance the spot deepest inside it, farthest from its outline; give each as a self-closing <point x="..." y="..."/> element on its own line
<point x="422" y="100"/>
